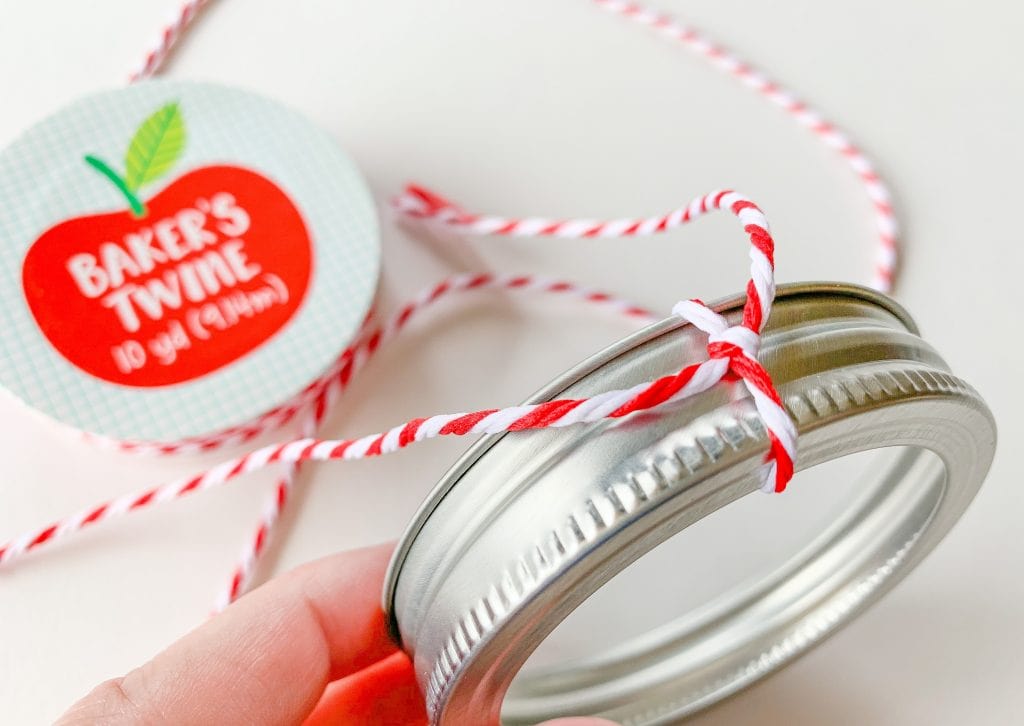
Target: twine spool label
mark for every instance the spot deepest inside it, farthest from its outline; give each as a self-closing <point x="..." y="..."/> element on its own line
<point x="177" y="258"/>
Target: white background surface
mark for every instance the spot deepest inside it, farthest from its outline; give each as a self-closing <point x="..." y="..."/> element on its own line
<point x="559" y="109"/>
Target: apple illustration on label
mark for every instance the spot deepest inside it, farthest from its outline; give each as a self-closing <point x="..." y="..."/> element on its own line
<point x="176" y="286"/>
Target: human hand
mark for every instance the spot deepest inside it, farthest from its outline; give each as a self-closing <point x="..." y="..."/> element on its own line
<point x="310" y="647"/>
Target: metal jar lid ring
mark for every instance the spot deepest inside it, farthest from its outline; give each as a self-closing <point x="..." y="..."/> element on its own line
<point x="527" y="526"/>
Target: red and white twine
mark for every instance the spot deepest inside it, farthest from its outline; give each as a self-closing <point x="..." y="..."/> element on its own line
<point x="732" y="350"/>
<point x="887" y="226"/>
<point x="169" y="37"/>
<point x="370" y="340"/>
<point x="887" y="256"/>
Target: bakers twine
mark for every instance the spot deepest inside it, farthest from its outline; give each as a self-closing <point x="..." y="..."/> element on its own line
<point x="732" y="350"/>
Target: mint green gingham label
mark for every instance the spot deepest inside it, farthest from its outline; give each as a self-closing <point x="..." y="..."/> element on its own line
<point x="118" y="151"/>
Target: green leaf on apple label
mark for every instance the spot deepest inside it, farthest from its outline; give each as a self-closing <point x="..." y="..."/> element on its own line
<point x="156" y="146"/>
<point x="154" y="149"/>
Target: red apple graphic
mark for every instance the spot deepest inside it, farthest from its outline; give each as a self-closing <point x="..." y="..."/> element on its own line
<point x="175" y="287"/>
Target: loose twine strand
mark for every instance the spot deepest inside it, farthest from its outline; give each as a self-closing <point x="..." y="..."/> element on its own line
<point x="732" y="350"/>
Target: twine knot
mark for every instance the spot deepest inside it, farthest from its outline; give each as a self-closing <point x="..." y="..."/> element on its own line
<point x="737" y="347"/>
<point x="734" y="341"/>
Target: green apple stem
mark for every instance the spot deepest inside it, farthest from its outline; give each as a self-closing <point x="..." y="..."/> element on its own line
<point x="138" y="208"/>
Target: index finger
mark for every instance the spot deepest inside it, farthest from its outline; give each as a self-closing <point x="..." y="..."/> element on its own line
<point x="266" y="659"/>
